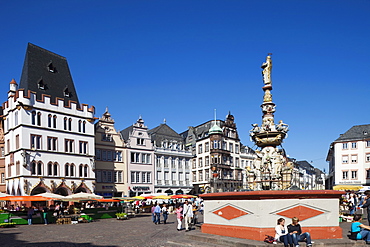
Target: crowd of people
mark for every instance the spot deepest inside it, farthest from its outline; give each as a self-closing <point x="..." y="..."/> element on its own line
<point x="186" y="212"/>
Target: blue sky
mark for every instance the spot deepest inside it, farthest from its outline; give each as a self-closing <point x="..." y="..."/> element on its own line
<point x="180" y="60"/>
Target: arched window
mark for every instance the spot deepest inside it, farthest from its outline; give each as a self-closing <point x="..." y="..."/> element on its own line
<point x="85" y="171"/>
<point x="66" y="170"/>
<point x="80" y="170"/>
<point x="72" y="169"/>
<point x="39" y="118"/>
<point x="55" y="168"/>
<point x="33" y="118"/>
<point x="84" y="127"/>
<point x="79" y="126"/>
<point x="70" y="124"/>
<point x="54" y="121"/>
<point x="49" y="120"/>
<point x="65" y="123"/>
<point x="39" y="168"/>
<point x="50" y="169"/>
<point x="33" y="168"/>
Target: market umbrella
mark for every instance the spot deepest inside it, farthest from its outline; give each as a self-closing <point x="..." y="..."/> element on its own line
<point x="24" y="198"/>
<point x="162" y="197"/>
<point x="126" y="198"/>
<point x="182" y="196"/>
<point x="51" y="195"/>
<point x="83" y="196"/>
<point x="107" y="200"/>
<point x="139" y="197"/>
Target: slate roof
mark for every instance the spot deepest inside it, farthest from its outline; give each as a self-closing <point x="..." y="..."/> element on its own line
<point x="357" y="132"/>
<point x="45" y="72"/>
<point x="164" y="132"/>
<point x="126" y="132"/>
<point x="305" y="165"/>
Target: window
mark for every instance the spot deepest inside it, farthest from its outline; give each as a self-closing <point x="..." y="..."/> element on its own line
<point x="137" y="177"/>
<point x="52" y="143"/>
<point x="109" y="176"/>
<point x="39" y="118"/>
<point x="69" y="146"/>
<point x="72" y="169"/>
<point x="368" y="174"/>
<point x="49" y="120"/>
<point x="118" y="176"/>
<point x="2" y="178"/>
<point x="118" y="156"/>
<point x="55" y="168"/>
<point x="216" y="144"/>
<point x="33" y="118"/>
<point x="66" y="170"/>
<point x="54" y="121"/>
<point x="33" y="168"/>
<point x="231" y="147"/>
<point x="345" y="159"/>
<point x="149" y="177"/>
<point x="367" y="157"/>
<point x="200" y="163"/>
<point x="345" y="174"/>
<point x="41" y="85"/>
<point x="345" y="146"/>
<point x="8" y="146"/>
<point x="143" y="177"/>
<point x="353" y="158"/>
<point x="206" y="161"/>
<point x="200" y="148"/>
<point x="353" y="174"/>
<point x="39" y="168"/>
<point x="83" y="147"/>
<point x="65" y="123"/>
<point x="86" y="170"/>
<point x="97" y="154"/>
<point x="80" y="170"/>
<point x="36" y="141"/>
<point x="70" y="124"/>
<point x="140" y="141"/>
<point x="206" y="147"/>
<point x="106" y="137"/>
<point x="194" y="177"/>
<point x="84" y="127"/>
<point x="368" y="143"/>
<point x="133" y="177"/>
<point x="50" y="169"/>
<point x="236" y="162"/>
<point x="354" y="145"/>
<point x="200" y="175"/>
<point x="206" y="175"/>
<point x="236" y="148"/>
<point x="109" y="155"/>
<point x="79" y="125"/>
<point x="16" y="141"/>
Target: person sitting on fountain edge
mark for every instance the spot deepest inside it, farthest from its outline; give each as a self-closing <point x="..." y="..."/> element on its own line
<point x="359" y="230"/>
<point x="295" y="230"/>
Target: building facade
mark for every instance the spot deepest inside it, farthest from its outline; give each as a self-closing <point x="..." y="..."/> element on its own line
<point x="216" y="148"/>
<point x="110" y="168"/>
<point x="172" y="161"/>
<point x="139" y="156"/>
<point x="49" y="135"/>
<point x="349" y="158"/>
<point x="2" y="154"/>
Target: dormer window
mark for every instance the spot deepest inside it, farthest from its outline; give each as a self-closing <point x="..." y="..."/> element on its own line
<point x="51" y="67"/>
<point x="67" y="93"/>
<point x="41" y="84"/>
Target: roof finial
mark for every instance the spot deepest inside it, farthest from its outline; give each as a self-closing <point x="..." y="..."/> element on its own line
<point x="164" y="121"/>
<point x="215" y="114"/>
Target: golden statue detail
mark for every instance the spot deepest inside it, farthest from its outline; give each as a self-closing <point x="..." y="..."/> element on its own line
<point x="266" y="72"/>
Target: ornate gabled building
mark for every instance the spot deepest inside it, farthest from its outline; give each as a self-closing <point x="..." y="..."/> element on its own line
<point x="172" y="161"/>
<point x="2" y="154"/>
<point x="110" y="168"/>
<point x="49" y="135"/>
<point x="217" y="154"/>
<point x="139" y="153"/>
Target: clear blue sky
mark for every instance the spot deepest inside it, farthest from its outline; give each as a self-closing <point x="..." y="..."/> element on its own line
<point x="180" y="60"/>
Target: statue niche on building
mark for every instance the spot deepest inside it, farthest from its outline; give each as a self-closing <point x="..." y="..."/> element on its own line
<point x="271" y="170"/>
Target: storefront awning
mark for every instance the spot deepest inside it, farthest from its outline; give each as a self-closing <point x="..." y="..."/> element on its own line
<point x="347" y="187"/>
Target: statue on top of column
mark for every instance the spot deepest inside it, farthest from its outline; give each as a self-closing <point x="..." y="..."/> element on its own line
<point x="266" y="72"/>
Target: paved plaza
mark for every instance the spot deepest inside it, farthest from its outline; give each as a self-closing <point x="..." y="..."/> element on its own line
<point x="138" y="231"/>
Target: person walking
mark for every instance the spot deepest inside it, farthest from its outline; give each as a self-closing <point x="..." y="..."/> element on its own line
<point x="179" y="217"/>
<point x="30" y="212"/>
<point x="157" y="212"/>
<point x="165" y="213"/>
<point x="45" y="214"/>
<point x="188" y="215"/>
<point x="153" y="214"/>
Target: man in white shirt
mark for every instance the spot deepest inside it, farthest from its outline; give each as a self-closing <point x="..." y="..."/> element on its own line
<point x="188" y="215"/>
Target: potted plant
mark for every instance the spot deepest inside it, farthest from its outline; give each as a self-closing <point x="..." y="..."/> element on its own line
<point x="121" y="216"/>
